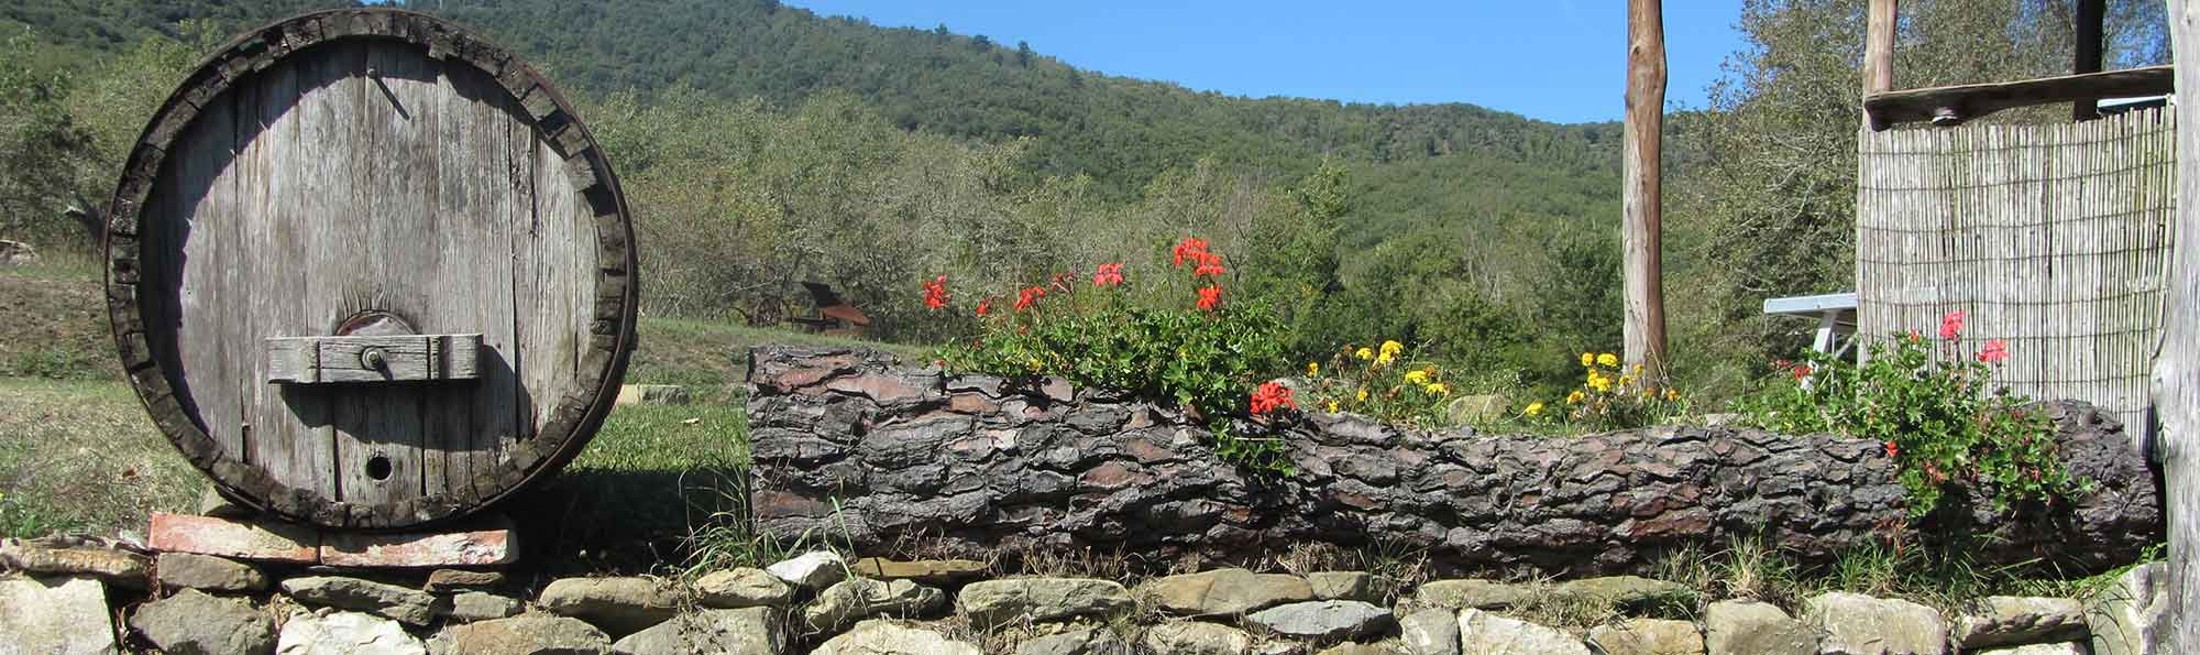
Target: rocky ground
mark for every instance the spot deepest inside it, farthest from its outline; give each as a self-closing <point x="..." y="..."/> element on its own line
<point x="95" y="597"/>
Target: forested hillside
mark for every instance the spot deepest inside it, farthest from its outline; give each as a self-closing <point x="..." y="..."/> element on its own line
<point x="764" y="145"/>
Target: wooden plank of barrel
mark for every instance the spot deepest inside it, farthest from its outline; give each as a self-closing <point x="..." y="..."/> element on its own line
<point x="369" y="270"/>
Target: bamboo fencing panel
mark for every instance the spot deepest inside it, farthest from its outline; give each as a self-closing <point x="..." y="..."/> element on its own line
<point x="2054" y="238"/>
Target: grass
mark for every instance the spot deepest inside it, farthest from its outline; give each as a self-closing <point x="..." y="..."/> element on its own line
<point x="80" y="456"/>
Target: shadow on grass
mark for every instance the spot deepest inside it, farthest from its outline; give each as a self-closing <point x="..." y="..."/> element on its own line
<point x="626" y="522"/>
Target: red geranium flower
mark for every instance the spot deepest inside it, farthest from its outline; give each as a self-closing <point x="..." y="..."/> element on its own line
<point x="1109" y="275"/>
<point x="985" y="306"/>
<point x="1271" y="397"/>
<point x="1951" y="325"/>
<point x="1189" y="248"/>
<point x="1996" y="352"/>
<point x="1892" y="449"/>
<point x="1028" y="297"/>
<point x="935" y="293"/>
<point x="1210" y="297"/>
<point x="1210" y="265"/>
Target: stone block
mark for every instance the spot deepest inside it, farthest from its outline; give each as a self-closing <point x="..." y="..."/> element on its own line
<point x="120" y="568"/>
<point x="194" y="571"/>
<point x="1856" y="624"/>
<point x="239" y="539"/>
<point x="63" y="616"/>
<point x="653" y="394"/>
<point x="488" y="544"/>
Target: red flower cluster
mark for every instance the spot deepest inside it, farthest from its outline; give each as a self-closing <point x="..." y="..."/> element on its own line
<point x="1951" y="325"/>
<point x="935" y="293"/>
<point x="1892" y="449"/>
<point x="1109" y="275"/>
<point x="1798" y="369"/>
<point x="1028" y="297"/>
<point x="1996" y="352"/>
<point x="1205" y="264"/>
<point x="985" y="306"/>
<point x="1272" y="397"/>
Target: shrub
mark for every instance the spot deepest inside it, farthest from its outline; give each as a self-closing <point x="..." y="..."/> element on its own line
<point x="1935" y="409"/>
<point x="1204" y="352"/>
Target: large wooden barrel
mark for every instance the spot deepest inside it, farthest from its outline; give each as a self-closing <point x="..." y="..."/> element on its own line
<point x="368" y="270"/>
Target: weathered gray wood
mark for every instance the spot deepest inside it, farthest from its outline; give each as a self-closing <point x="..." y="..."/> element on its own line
<point x="1643" y="332"/>
<point x="1953" y="105"/>
<point x="2049" y="237"/>
<point x="2177" y="366"/>
<point x="399" y="358"/>
<point x="371" y="178"/>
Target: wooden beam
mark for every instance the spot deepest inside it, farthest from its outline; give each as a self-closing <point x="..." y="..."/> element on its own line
<point x="2092" y="16"/>
<point x="1644" y="330"/>
<point x="1879" y="47"/>
<point x="1952" y="105"/>
<point x="2177" y="362"/>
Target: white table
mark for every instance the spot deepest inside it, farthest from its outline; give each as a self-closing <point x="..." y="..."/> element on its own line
<point x="1836" y="314"/>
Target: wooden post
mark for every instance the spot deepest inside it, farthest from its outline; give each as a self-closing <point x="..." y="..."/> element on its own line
<point x="1878" y="54"/>
<point x="2177" y="362"/>
<point x="1644" y="331"/>
<point x="2092" y="15"/>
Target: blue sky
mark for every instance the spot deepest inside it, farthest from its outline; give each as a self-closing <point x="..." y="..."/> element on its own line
<point x="1558" y="60"/>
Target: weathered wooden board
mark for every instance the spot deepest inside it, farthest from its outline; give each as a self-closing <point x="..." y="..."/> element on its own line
<point x="371" y="178"/>
<point x="372" y="359"/>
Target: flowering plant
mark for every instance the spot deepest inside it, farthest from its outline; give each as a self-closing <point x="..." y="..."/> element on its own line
<point x="1205" y="353"/>
<point x="1933" y="407"/>
<point x="1375" y="381"/>
<point x="1611" y="396"/>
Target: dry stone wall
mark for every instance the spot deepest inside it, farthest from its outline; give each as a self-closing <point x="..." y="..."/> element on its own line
<point x="851" y="446"/>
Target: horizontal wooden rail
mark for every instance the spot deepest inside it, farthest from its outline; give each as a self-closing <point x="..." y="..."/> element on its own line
<point x="1952" y="105"/>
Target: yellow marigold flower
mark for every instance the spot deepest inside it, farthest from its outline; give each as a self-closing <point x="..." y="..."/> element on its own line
<point x="1534" y="409"/>
<point x="1384" y="358"/>
<point x="1417" y="377"/>
<point x="1608" y="359"/>
<point x="1672" y="394"/>
<point x="1438" y="388"/>
<point x="1588" y="359"/>
<point x="1600" y="383"/>
<point x="1313" y="369"/>
<point x="1625" y="380"/>
<point x="1392" y="348"/>
<point x="1576" y="397"/>
<point x="1364" y="353"/>
<point x="1332" y="407"/>
<point x="1362" y="397"/>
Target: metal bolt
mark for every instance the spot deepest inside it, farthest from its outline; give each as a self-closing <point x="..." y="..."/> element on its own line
<point x="373" y="358"/>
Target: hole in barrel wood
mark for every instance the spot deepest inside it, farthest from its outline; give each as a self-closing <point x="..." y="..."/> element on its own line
<point x="378" y="467"/>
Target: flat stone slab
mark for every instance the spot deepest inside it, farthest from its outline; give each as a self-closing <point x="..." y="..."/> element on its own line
<point x="194" y="571"/>
<point x="490" y="544"/>
<point x="220" y="537"/>
<point x="120" y="568"/>
<point x="61" y="615"/>
<point x="936" y="572"/>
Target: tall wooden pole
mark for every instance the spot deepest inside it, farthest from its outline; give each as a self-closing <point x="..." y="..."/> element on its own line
<point x="1879" y="26"/>
<point x="2091" y="22"/>
<point x="2177" y="362"/>
<point x="1644" y="331"/>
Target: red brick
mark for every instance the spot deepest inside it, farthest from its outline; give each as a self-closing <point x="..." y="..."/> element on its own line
<point x="490" y="543"/>
<point x="240" y="539"/>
